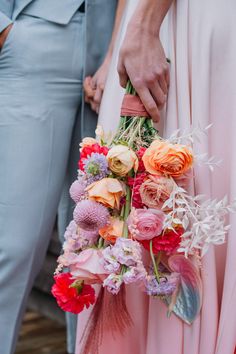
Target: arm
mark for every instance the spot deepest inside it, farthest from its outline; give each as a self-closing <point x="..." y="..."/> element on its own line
<point x="4" y="34"/>
<point x="142" y="57"/>
<point x="6" y="8"/>
<point x="94" y="86"/>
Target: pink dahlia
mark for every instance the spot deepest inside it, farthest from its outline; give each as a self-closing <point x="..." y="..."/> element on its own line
<point x="90" y="215"/>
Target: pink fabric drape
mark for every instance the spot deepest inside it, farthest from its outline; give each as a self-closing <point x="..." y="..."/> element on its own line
<point x="199" y="39"/>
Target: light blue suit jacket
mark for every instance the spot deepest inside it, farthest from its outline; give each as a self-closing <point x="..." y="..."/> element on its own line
<point x="99" y="24"/>
<point x="59" y="11"/>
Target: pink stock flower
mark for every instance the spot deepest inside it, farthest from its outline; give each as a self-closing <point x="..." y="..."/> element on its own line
<point x="145" y="224"/>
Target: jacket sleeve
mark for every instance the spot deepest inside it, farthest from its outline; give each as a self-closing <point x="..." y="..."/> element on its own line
<point x="6" y="9"/>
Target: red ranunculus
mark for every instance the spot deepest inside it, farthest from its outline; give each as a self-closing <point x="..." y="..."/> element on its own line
<point x="168" y="242"/>
<point x="72" y="299"/>
<point x="140" y="153"/>
<point x="88" y="150"/>
<point x="135" y="184"/>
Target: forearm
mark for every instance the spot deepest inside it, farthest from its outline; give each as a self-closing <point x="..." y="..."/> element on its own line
<point x="150" y="14"/>
<point x="119" y="13"/>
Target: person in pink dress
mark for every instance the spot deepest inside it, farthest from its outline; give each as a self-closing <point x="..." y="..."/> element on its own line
<point x="198" y="88"/>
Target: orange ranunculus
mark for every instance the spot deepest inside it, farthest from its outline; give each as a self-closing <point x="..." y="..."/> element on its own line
<point x="107" y="191"/>
<point x="169" y="159"/>
<point x="112" y="230"/>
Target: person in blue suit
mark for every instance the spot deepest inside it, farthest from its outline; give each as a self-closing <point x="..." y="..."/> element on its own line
<point x="46" y="48"/>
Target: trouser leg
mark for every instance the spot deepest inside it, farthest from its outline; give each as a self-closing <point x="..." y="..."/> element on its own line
<point x="38" y="105"/>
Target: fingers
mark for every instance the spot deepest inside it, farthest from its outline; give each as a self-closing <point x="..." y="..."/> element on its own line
<point x="163" y="84"/>
<point x="167" y="78"/>
<point x="89" y="93"/>
<point x="93" y="92"/>
<point x="98" y="98"/>
<point x="149" y="103"/>
<point x="158" y="94"/>
<point x="123" y="77"/>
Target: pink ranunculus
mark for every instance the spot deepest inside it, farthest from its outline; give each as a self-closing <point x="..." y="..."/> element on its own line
<point x="145" y="224"/>
<point x="88" y="267"/>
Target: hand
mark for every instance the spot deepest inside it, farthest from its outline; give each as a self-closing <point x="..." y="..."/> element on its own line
<point x="143" y="60"/>
<point x="94" y="86"/>
<point x="4" y="34"/>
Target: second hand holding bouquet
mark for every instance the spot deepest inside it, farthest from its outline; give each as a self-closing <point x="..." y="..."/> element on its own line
<point x="135" y="222"/>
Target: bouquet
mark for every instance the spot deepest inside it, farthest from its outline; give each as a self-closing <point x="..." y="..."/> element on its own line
<point x="135" y="220"/>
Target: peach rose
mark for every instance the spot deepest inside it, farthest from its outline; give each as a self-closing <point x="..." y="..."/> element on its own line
<point x="121" y="160"/>
<point x="112" y="230"/>
<point x="87" y="142"/>
<point x="155" y="190"/>
<point x="107" y="191"/>
<point x="169" y="159"/>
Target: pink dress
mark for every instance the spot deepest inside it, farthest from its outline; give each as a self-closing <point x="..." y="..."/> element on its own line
<point x="199" y="38"/>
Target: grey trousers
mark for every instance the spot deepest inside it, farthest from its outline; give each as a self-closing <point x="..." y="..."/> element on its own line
<point x="41" y="67"/>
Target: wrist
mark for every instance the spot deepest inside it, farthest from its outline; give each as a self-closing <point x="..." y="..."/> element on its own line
<point x="150" y="14"/>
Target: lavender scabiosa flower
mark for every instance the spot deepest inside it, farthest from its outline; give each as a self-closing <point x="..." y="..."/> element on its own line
<point x="90" y="215"/>
<point x="96" y="167"/>
<point x="113" y="283"/>
<point x="135" y="274"/>
<point x="165" y="287"/>
<point x="77" y="189"/>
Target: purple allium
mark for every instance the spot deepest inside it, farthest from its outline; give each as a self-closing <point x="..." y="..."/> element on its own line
<point x="166" y="286"/>
<point x="113" y="283"/>
<point x="95" y="167"/>
<point x="90" y="215"/>
<point x="77" y="190"/>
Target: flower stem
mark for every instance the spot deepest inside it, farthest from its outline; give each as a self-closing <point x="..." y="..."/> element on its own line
<point x="127" y="211"/>
<point x="100" y="243"/>
<point x="155" y="266"/>
<point x="136" y="130"/>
